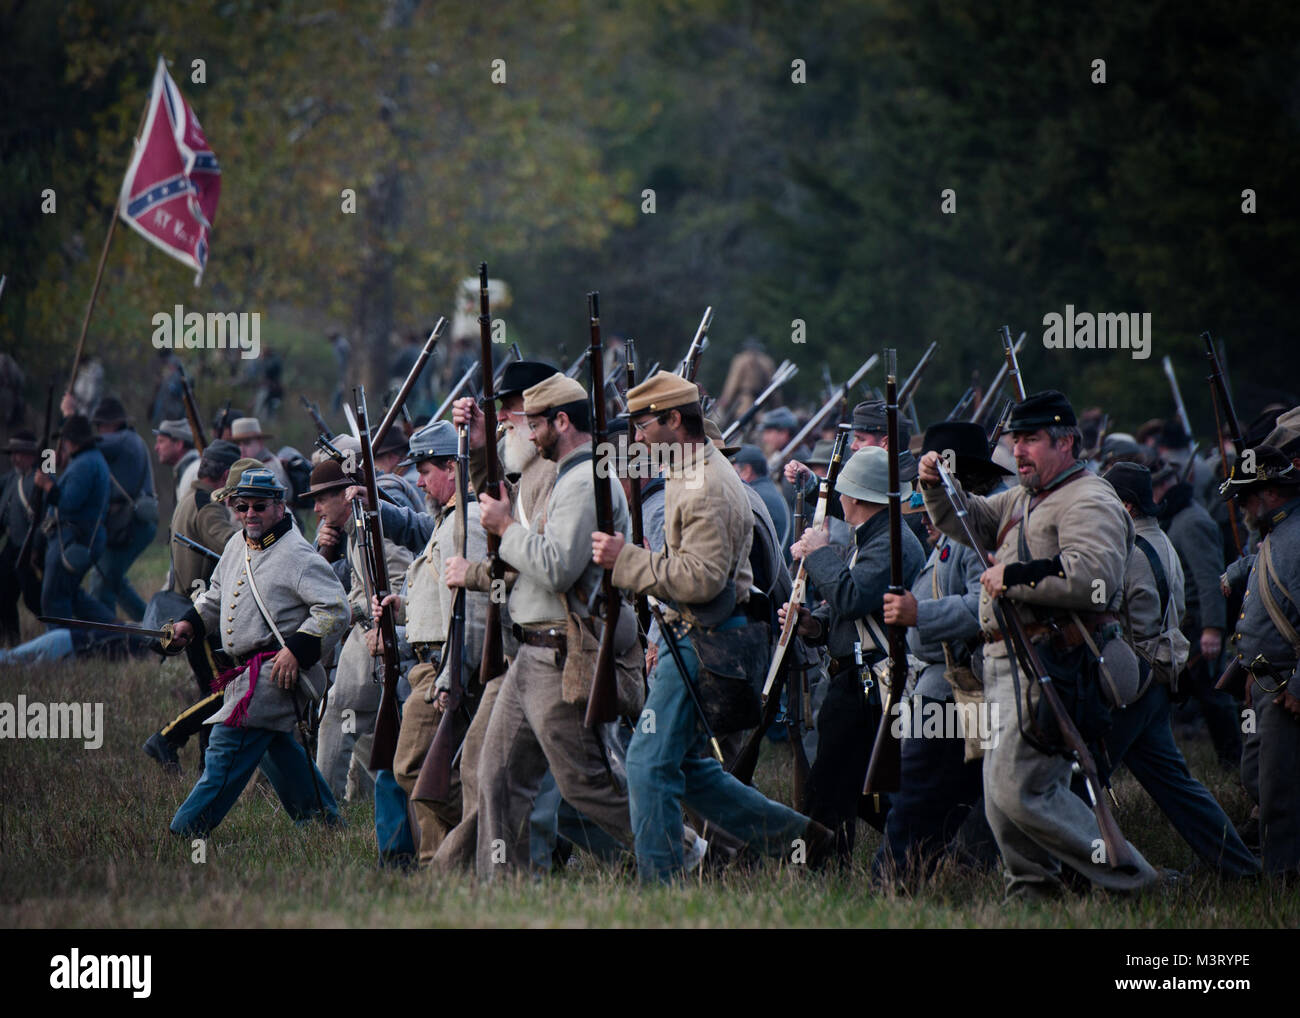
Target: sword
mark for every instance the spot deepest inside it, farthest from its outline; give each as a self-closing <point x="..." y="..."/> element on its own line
<point x="164" y="636"/>
<point x="196" y="546"/>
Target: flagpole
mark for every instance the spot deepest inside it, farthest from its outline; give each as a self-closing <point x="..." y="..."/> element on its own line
<point x="103" y="255"/>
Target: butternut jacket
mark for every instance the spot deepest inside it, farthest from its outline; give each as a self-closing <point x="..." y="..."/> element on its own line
<point x="206" y="522"/>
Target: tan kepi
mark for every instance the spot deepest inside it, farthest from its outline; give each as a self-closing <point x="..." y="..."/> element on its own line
<point x="555" y="391"/>
<point x="661" y="391"/>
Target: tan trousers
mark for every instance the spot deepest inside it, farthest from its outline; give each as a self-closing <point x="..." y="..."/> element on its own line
<point x="457" y="849"/>
<point x="531" y="729"/>
<point x="420" y="720"/>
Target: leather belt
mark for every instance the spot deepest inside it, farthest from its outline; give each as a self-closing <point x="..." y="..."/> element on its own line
<point x="552" y="637"/>
<point x="1068" y="633"/>
<point x="426" y="651"/>
<point x="841" y="664"/>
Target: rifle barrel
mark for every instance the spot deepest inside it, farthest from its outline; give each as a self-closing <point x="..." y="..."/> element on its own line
<point x="829" y="405"/>
<point x="492" y="661"/>
<point x="412" y="377"/>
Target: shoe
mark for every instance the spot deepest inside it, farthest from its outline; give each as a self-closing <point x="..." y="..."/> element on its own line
<point x="696" y="850"/>
<point x="820" y="844"/>
<point x="164" y="752"/>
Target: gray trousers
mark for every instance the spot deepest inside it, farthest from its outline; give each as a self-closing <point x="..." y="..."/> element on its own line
<point x="344" y="740"/>
<point x="458" y="848"/>
<point x="1279" y="787"/>
<point x="531" y="729"/>
<point x="1037" y="821"/>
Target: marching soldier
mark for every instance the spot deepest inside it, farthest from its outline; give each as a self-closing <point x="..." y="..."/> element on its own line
<point x="344" y="741"/>
<point x="1267" y="644"/>
<point x="1062" y="540"/>
<point x="1141" y="735"/>
<point x="537" y="720"/>
<point x="848" y="622"/>
<point x="203" y="519"/>
<point x="247" y="433"/>
<point x="941" y="782"/>
<point x="703" y="575"/>
<point x="424" y="608"/>
<point x="278" y="606"/>
<point x="174" y="446"/>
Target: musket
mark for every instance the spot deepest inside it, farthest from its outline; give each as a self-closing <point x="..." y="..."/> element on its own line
<point x="602" y="701"/>
<point x="995" y="386"/>
<point x="457" y="391"/>
<point x="963" y="405"/>
<point x="795" y="685"/>
<point x="1180" y="410"/>
<point x="885" y="767"/>
<point x="434" y="782"/>
<point x="1013" y="365"/>
<point x="164" y="636"/>
<point x="576" y="366"/>
<point x="412" y="377"/>
<point x="691" y="362"/>
<point x="223" y="421"/>
<point x="634" y="503"/>
<point x="513" y="355"/>
<point x="192" y="410"/>
<point x="1118" y="855"/>
<point x="371" y="535"/>
<point x="657" y="611"/>
<point x="1221" y="400"/>
<point x="492" y="663"/>
<point x="201" y="549"/>
<point x="913" y="382"/>
<point x="25" y="558"/>
<point x="996" y="435"/>
<point x="799" y="591"/>
<point x="784" y="372"/>
<point x="313" y="411"/>
<point x="829" y="405"/>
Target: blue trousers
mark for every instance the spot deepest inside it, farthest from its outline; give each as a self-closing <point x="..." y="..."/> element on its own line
<point x="108" y="583"/>
<point x="668" y="763"/>
<point x="1141" y="737"/>
<point x="233" y="755"/>
<point x="53" y="645"/>
<point x="62" y="596"/>
<point x="937" y="790"/>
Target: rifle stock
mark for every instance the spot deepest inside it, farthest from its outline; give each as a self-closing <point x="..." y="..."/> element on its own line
<point x="602" y="700"/>
<point x="885" y="767"/>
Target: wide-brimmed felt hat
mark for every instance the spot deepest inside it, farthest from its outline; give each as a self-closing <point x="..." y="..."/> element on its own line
<point x="970" y="448"/>
<point x="866" y="477"/>
<point x="393" y="441"/>
<point x="21" y="441"/>
<point x="1273" y="468"/>
<point x="821" y="454"/>
<point x="1132" y="483"/>
<point x="245" y="428"/>
<point x="521" y="375"/>
<point x="714" y="434"/>
<point x="327" y="476"/>
<point x="233" y="475"/>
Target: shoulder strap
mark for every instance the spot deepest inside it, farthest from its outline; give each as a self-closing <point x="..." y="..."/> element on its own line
<point x="1158" y="569"/>
<point x="261" y="607"/>
<point x="1266" y="580"/>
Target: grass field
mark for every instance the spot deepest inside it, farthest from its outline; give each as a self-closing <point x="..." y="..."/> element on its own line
<point x="84" y="843"/>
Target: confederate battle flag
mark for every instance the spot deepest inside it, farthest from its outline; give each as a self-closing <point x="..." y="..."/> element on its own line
<point x="170" y="192"/>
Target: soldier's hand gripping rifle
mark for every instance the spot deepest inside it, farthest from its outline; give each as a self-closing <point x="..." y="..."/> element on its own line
<point x="691" y="362"/>
<point x="784" y="372"/>
<point x="434" y="783"/>
<point x="1222" y="401"/>
<point x="412" y="377"/>
<point x="602" y="701"/>
<point x="192" y="411"/>
<point x="799" y="590"/>
<point x="372" y="538"/>
<point x="885" y="768"/>
<point x="26" y="559"/>
<point x="1118" y="855"/>
<point x="492" y="663"/>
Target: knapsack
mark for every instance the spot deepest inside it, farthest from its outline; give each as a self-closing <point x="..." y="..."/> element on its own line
<point x="298" y="469"/>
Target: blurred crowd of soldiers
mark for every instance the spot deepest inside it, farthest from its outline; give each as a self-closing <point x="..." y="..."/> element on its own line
<point x="761" y="584"/>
